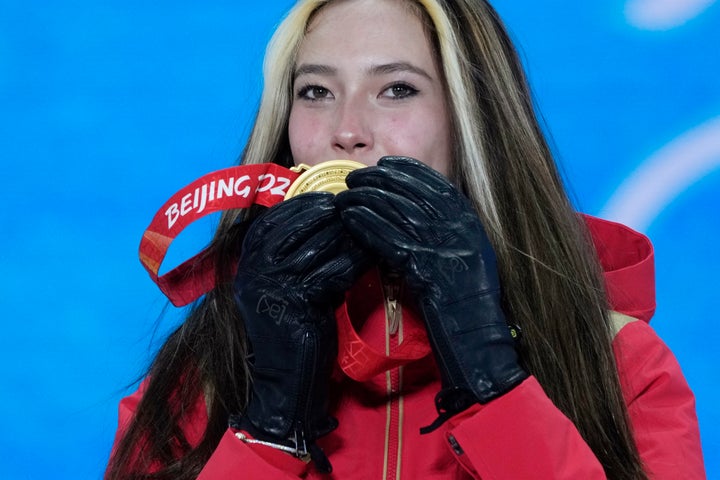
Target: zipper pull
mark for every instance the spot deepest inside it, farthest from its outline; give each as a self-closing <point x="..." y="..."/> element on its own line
<point x="391" y="283"/>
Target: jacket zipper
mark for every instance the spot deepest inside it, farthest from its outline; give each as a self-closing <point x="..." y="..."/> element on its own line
<point x="394" y="405"/>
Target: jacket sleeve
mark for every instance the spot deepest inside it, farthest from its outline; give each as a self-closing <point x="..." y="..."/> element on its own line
<point x="232" y="458"/>
<point x="531" y="438"/>
<point x="521" y="435"/>
<point x="660" y="404"/>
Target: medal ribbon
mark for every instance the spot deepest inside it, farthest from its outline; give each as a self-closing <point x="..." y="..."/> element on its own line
<point x="235" y="187"/>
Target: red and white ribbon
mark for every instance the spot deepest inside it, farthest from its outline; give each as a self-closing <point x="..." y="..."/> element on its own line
<point x="236" y="187"/>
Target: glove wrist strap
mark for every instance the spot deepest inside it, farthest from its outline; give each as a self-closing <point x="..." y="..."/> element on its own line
<point x="448" y="403"/>
<point x="245" y="438"/>
<point x="297" y="445"/>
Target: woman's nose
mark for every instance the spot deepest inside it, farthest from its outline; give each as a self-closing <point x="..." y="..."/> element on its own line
<point x="352" y="132"/>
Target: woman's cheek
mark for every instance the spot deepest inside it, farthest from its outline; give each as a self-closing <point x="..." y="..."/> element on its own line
<point x="301" y="137"/>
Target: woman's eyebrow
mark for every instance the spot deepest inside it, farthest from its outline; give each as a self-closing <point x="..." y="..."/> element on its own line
<point x="381" y="69"/>
<point x="395" y="67"/>
<point x="314" y="68"/>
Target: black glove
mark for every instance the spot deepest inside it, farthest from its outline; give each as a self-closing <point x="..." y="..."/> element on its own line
<point x="296" y="263"/>
<point x="422" y="226"/>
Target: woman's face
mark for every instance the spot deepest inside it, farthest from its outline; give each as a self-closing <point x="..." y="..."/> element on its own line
<point x="367" y="85"/>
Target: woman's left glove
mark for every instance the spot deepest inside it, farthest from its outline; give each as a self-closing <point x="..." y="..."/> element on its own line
<point x="296" y="264"/>
<point x="422" y="226"/>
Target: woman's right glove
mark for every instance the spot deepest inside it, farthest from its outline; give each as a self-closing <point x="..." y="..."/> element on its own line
<point x="422" y="226"/>
<point x="296" y="264"/>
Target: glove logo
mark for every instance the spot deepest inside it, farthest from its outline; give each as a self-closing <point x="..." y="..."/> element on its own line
<point x="272" y="307"/>
<point x="451" y="265"/>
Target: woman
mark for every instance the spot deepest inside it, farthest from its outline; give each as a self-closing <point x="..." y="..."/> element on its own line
<point x="423" y="339"/>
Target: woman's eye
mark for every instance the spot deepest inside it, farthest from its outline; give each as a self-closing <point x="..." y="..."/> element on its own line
<point x="314" y="92"/>
<point x="399" y="91"/>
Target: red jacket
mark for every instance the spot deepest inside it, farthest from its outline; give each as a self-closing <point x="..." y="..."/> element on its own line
<point x="519" y="435"/>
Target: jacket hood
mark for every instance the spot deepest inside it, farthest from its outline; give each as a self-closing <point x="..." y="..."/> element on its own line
<point x="628" y="263"/>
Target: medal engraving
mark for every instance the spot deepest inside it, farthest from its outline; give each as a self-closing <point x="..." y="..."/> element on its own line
<point x="324" y="177"/>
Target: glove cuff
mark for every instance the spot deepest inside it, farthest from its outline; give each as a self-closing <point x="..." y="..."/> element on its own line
<point x="453" y="400"/>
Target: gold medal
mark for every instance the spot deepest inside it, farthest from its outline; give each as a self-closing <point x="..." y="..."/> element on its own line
<point x="324" y="177"/>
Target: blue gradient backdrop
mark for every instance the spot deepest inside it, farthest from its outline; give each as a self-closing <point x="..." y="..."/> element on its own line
<point x="109" y="107"/>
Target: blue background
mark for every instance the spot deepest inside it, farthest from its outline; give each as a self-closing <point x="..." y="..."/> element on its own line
<point x="107" y="108"/>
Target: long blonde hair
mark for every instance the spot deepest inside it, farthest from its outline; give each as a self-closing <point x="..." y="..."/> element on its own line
<point x="552" y="282"/>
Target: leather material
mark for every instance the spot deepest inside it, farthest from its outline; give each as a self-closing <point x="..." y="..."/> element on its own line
<point x="422" y="226"/>
<point x="296" y="263"/>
